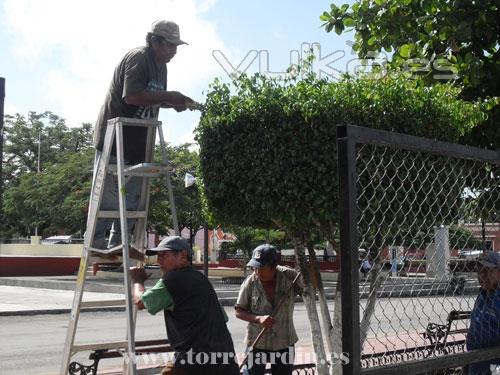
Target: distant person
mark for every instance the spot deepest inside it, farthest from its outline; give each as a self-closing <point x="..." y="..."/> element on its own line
<point x="260" y="293"/>
<point x="195" y="321"/>
<point x="484" y="330"/>
<point x="366" y="266"/>
<point x="138" y="90"/>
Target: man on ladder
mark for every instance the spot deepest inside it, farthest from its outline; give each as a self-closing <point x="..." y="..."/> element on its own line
<point x="138" y="90"/>
<point x="122" y="171"/>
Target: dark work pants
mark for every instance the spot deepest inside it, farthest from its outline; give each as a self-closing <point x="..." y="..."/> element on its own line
<point x="281" y="361"/>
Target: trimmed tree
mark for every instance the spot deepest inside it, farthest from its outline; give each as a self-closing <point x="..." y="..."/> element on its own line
<point x="268" y="152"/>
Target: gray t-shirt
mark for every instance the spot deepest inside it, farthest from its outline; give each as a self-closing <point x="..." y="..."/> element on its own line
<point x="137" y="71"/>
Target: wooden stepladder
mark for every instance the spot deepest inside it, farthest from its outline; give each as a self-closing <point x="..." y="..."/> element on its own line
<point x="145" y="170"/>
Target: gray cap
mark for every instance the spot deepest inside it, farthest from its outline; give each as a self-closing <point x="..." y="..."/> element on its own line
<point x="168" y="30"/>
<point x="171" y="243"/>
<point x="263" y="255"/>
<point x="490" y="259"/>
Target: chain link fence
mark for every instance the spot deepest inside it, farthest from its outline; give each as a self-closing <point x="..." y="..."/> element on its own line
<point x="414" y="219"/>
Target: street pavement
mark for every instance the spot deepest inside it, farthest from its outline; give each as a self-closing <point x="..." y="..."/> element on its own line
<point x="54" y="294"/>
<point x="26" y="327"/>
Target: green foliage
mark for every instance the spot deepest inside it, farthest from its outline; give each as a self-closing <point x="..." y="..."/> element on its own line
<point x="436" y="39"/>
<point x="268" y="148"/>
<point x="57" y="142"/>
<point x="248" y="238"/>
<point x="55" y="199"/>
<point x="187" y="201"/>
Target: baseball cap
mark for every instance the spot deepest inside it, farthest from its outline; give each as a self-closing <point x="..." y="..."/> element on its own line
<point x="263" y="255"/>
<point x="171" y="243"/>
<point x="490" y="259"/>
<point x="168" y="30"/>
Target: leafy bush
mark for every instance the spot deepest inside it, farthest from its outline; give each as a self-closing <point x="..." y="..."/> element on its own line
<point x="268" y="148"/>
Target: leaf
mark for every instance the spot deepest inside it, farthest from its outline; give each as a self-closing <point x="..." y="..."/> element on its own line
<point x="371" y="41"/>
<point x="405" y="50"/>
<point x="349" y="22"/>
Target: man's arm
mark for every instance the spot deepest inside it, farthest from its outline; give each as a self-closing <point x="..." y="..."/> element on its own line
<point x="168" y="99"/>
<point x="263" y="320"/>
<point x="138" y="276"/>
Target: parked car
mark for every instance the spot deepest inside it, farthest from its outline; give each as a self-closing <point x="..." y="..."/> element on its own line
<point x="469" y="253"/>
<point x="55" y="240"/>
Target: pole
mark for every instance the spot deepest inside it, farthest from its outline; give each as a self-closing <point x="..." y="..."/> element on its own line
<point x="205" y="249"/>
<point x="2" y="100"/>
<point x="38" y="171"/>
<point x="483" y="235"/>
<point x="38" y="159"/>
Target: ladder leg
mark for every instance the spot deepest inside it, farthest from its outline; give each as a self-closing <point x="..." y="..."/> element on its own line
<point x="169" y="183"/>
<point x="130" y="356"/>
<point x="94" y="204"/>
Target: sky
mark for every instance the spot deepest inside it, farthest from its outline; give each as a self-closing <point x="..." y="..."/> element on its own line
<point x="59" y="55"/>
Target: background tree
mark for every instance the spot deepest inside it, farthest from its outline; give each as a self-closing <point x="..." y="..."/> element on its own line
<point x="189" y="209"/>
<point x="55" y="199"/>
<point x="57" y="142"/>
<point x="453" y="40"/>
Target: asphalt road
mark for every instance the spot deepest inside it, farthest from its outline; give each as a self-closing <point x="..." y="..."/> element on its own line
<point x="33" y="344"/>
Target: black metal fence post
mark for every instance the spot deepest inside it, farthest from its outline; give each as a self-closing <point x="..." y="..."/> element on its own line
<point x="349" y="251"/>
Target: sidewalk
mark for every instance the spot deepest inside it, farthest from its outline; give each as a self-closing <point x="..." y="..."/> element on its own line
<point x="54" y="294"/>
<point x="18" y="300"/>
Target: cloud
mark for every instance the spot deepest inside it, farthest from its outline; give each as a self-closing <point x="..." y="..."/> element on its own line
<point x="80" y="42"/>
<point x="10" y="109"/>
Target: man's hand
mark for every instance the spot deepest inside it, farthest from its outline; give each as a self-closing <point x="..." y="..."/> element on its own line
<point x="265" y="320"/>
<point x="139" y="275"/>
<point x="178" y="101"/>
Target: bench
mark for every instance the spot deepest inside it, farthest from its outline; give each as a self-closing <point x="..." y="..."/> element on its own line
<point x="104" y="351"/>
<point x="437" y="334"/>
<point x="436" y="342"/>
<point x="146" y="347"/>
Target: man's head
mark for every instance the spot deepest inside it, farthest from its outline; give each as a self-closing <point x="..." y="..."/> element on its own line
<point x="163" y="39"/>
<point x="173" y="252"/>
<point x="489" y="270"/>
<point x="264" y="261"/>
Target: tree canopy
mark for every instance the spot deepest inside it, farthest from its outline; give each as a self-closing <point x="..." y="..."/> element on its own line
<point x="440" y="40"/>
<point x="268" y="148"/>
<point x="56" y="199"/>
<point x="23" y="134"/>
<point x="187" y="200"/>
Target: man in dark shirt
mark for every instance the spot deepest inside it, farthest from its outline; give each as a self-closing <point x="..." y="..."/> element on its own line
<point x="484" y="330"/>
<point x="138" y="90"/>
<point x="195" y="321"/>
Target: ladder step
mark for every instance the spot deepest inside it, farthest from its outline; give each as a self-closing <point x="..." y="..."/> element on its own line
<point x="142" y="169"/>
<point x="103" y="303"/>
<point x="116" y="214"/>
<point x="116" y="252"/>
<point x="99" y="346"/>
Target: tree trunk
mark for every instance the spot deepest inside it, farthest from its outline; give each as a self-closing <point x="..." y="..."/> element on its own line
<point x="310" y="302"/>
<point x="323" y="304"/>
<point x="336" y="363"/>
<point x="376" y="280"/>
<point x="337" y="328"/>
